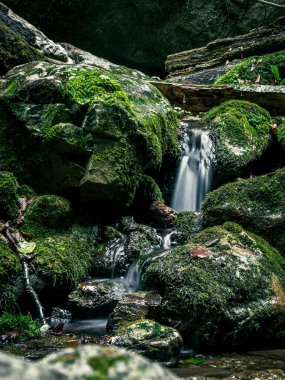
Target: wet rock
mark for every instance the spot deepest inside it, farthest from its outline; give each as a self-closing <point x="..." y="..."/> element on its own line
<point x="233" y="302"/>
<point x="133" y="307"/>
<point x="256" y="203"/>
<point x="187" y="225"/>
<point x="150" y="339"/>
<point x="163" y="215"/>
<point x="95" y="297"/>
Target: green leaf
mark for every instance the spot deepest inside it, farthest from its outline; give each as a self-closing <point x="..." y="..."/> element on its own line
<point x="283" y="81"/>
<point x="275" y="72"/>
<point x="26" y="247"/>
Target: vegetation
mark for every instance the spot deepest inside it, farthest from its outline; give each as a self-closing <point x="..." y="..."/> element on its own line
<point x="19" y="327"/>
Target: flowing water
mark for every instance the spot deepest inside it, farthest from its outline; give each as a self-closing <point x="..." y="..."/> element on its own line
<point x="194" y="178"/>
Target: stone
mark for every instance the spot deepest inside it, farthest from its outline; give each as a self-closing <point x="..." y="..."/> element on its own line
<point x="133" y="307"/>
<point x="150" y="339"/>
<point x="163" y="215"/>
<point x="95" y="298"/>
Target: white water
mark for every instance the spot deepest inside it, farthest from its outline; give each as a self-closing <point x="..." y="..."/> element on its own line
<point x="194" y="179"/>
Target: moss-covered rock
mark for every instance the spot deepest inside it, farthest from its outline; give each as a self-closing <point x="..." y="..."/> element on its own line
<point x="240" y="132"/>
<point x="49" y="211"/>
<point x="258" y="204"/>
<point x="150" y="339"/>
<point x="222" y="289"/>
<point x="84" y="128"/>
<point x="256" y="68"/>
<point x="187" y="225"/>
<point x="8" y="196"/>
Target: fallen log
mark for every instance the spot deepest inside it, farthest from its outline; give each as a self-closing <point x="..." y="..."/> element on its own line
<point x="202" y="98"/>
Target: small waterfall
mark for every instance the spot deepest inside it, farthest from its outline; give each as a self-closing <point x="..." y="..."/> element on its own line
<point x="194" y="179"/>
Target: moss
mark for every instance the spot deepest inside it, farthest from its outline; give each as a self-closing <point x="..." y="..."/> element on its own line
<point x="258" y="204"/>
<point x="26" y="190"/>
<point x="248" y="70"/>
<point x="9" y="262"/>
<point x="8" y="196"/>
<point x="49" y="211"/>
<point x="240" y="132"/>
<point x="64" y="257"/>
<point x="22" y="326"/>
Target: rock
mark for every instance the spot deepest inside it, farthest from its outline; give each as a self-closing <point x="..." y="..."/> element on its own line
<point x="50" y="211"/>
<point x="150" y="339"/>
<point x="240" y="132"/>
<point x="258" y="204"/>
<point x="187" y="225"/>
<point x="163" y="215"/>
<point x="106" y="363"/>
<point x="86" y="130"/>
<point x="220" y="52"/>
<point x="95" y="298"/>
<point x="87" y="361"/>
<point x="237" y="304"/>
<point x="256" y="68"/>
<point x="108" y="28"/>
<point x="133" y="307"/>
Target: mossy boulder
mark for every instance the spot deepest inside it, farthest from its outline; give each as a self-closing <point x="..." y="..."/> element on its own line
<point x="258" y="204"/>
<point x="50" y="211"/>
<point x="8" y="196"/>
<point x="240" y="132"/>
<point x="150" y="339"/>
<point x="85" y="129"/>
<point x="225" y="288"/>
<point x="257" y="68"/>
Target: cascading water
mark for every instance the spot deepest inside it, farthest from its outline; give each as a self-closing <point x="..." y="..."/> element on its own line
<point x="194" y="179"/>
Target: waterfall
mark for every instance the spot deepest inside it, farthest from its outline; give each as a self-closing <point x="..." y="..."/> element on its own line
<point x="194" y="179"/>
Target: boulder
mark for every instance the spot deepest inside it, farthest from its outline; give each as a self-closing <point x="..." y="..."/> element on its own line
<point x="187" y="225"/>
<point x="95" y="298"/>
<point x="240" y="132"/>
<point x="86" y="130"/>
<point x="257" y="203"/>
<point x="133" y="307"/>
<point x="281" y="135"/>
<point x="163" y="215"/>
<point x="224" y="289"/>
<point x="150" y="339"/>
<point x="8" y="197"/>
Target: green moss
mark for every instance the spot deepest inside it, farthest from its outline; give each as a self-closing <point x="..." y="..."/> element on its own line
<point x="187" y="225"/>
<point x="9" y="262"/>
<point x="258" y="204"/>
<point x="101" y="367"/>
<point x="240" y="132"/>
<point x="22" y="326"/>
<point x="64" y="257"/>
<point x="49" y="211"/>
<point x="248" y="70"/>
<point x="8" y="196"/>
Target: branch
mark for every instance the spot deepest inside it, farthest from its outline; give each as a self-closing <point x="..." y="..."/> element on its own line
<point x="272" y="4"/>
